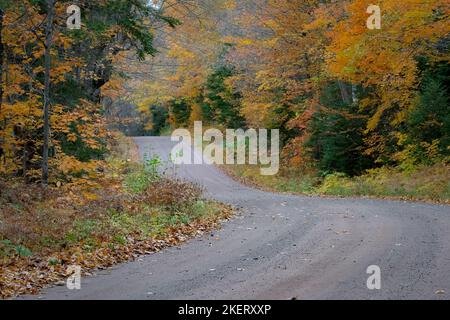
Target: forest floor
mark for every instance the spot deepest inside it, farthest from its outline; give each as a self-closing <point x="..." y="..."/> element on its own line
<point x="426" y="183"/>
<point x="132" y="211"/>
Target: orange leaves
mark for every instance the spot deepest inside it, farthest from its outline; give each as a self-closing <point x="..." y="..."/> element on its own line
<point x="369" y="56"/>
<point x="70" y="165"/>
<point x="59" y="73"/>
<point x="72" y="137"/>
<point x="290" y="49"/>
<point x="190" y="52"/>
<point x="78" y="175"/>
<point x="385" y="60"/>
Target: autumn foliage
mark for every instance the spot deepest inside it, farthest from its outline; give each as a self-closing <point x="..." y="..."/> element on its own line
<point x="346" y="98"/>
<point x="47" y="66"/>
<point x="361" y="112"/>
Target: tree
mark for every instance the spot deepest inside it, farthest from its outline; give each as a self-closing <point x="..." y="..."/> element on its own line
<point x="47" y="62"/>
<point x="386" y="61"/>
<point x="292" y="51"/>
<point x="336" y="134"/>
<point x="53" y="80"/>
<point x="428" y="123"/>
<point x="221" y="100"/>
<point x="188" y="57"/>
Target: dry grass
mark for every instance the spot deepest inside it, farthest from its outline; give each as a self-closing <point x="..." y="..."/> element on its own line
<point x="425" y="183"/>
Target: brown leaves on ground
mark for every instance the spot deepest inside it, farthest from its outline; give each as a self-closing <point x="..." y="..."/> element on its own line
<point x="30" y="275"/>
<point x="43" y="223"/>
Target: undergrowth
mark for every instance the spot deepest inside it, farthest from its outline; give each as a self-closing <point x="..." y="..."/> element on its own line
<point x="427" y="183"/>
<point x="132" y="210"/>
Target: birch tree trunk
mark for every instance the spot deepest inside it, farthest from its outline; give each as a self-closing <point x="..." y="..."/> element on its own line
<point x="344" y="93"/>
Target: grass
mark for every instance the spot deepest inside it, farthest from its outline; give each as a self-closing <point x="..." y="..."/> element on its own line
<point x="424" y="183"/>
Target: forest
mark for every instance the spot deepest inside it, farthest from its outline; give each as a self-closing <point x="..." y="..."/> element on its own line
<point x="361" y="112"/>
<point x="346" y="98"/>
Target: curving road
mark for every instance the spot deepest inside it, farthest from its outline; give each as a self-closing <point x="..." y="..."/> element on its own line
<point x="285" y="246"/>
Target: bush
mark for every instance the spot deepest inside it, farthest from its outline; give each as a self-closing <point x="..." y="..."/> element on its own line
<point x="175" y="193"/>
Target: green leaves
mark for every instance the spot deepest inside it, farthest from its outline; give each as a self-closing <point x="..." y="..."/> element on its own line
<point x="336" y="135"/>
<point x="222" y="101"/>
<point x="7" y="248"/>
<point x="142" y="177"/>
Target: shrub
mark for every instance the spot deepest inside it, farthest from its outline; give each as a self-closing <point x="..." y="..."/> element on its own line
<point x="176" y="193"/>
<point x="143" y="176"/>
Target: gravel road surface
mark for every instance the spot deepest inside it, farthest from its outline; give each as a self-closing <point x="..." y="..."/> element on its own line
<point x="284" y="246"/>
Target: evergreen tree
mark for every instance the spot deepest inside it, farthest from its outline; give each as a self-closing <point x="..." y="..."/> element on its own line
<point x="336" y="135"/>
<point x="221" y="102"/>
<point x="430" y="120"/>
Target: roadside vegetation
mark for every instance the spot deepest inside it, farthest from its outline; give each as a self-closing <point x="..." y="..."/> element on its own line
<point x="425" y="183"/>
<point x="130" y="211"/>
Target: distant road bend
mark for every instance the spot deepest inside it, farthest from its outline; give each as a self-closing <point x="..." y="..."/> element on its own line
<point x="285" y="246"/>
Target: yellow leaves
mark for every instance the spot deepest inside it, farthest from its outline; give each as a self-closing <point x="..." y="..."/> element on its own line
<point x="113" y="88"/>
<point x="70" y="166"/>
<point x="64" y="41"/>
<point x="375" y="119"/>
<point x="401" y="138"/>
<point x="58" y="73"/>
<point x="257" y="113"/>
<point x="405" y="26"/>
<point x="180" y="53"/>
<point x="196" y="113"/>
<point x="245" y="42"/>
<point x="90" y="196"/>
<point x="400" y="117"/>
<point x="38" y="69"/>
<point x="230" y="5"/>
<point x="92" y="143"/>
<point x="432" y="149"/>
<point x="72" y="137"/>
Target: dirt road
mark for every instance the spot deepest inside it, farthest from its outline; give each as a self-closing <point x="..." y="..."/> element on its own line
<point x="285" y="246"/>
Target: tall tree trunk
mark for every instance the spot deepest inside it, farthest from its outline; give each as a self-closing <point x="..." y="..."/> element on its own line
<point x="47" y="58"/>
<point x="344" y="92"/>
<point x="1" y="59"/>
<point x="1" y="77"/>
<point x="354" y="95"/>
